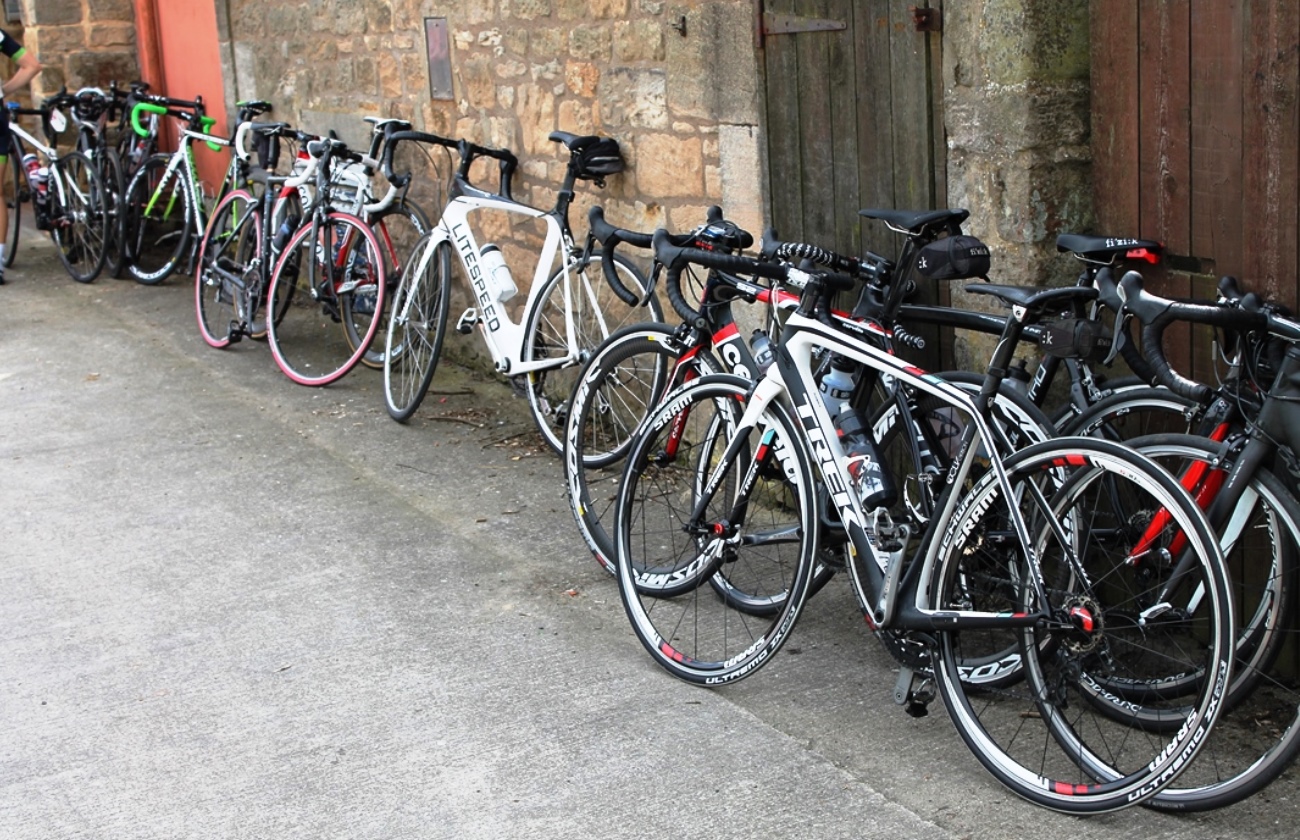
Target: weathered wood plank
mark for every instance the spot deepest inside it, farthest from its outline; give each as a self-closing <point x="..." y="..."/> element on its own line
<point x="875" y="135"/>
<point x="781" y="73"/>
<point x="1271" y="131"/>
<point x="1115" y="116"/>
<point x="1216" y="134"/>
<point x="817" y="155"/>
<point x="1164" y="137"/>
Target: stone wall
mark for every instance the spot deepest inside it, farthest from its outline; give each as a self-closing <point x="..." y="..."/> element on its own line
<point x="80" y="42"/>
<point x="1016" y="101"/>
<point x="684" y="107"/>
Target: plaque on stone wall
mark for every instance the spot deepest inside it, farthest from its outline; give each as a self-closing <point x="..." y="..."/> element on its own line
<point x="13" y="11"/>
<point x="439" y="46"/>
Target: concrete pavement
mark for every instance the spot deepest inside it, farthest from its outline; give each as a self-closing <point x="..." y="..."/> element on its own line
<point x="231" y="607"/>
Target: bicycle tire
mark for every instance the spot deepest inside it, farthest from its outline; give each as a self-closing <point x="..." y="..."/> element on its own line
<point x="397" y="230"/>
<point x="227" y="281"/>
<point x="77" y="215"/>
<point x="158" y="230"/>
<point x="1258" y="735"/>
<point x="597" y="312"/>
<point x="618" y="386"/>
<point x="685" y="626"/>
<point x="417" y="325"/>
<point x="115" y="185"/>
<point x="307" y="338"/>
<point x="14" y="203"/>
<point x="1136" y="412"/>
<point x="1081" y="760"/>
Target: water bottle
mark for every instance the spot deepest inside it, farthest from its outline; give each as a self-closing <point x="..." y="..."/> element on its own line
<point x="31" y="163"/>
<point x="837" y="385"/>
<point x="762" y="347"/>
<point x="496" y="273"/>
<point x="873" y="484"/>
<point x="41" y="181"/>
<point x="287" y="227"/>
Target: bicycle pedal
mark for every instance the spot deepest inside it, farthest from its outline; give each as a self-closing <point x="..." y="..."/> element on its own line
<point x="913" y="692"/>
<point x="467" y="321"/>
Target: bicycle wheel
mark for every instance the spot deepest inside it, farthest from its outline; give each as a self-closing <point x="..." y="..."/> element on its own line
<point x="617" y="387"/>
<point x="158" y="214"/>
<point x="323" y="268"/>
<point x="767" y="544"/>
<point x="110" y="169"/>
<point x="1258" y="735"/>
<point x="1085" y="504"/>
<point x="417" y="324"/>
<point x="77" y="215"/>
<point x="14" y="202"/>
<point x="397" y="230"/>
<point x="228" y="281"/>
<point x="1136" y="412"/>
<point x="597" y="312"/>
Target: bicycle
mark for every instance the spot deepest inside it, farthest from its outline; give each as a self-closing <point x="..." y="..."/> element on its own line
<point x="92" y="110"/>
<point x="629" y="373"/>
<point x="565" y="315"/>
<point x="1243" y="472"/>
<point x="166" y="208"/>
<point x="1022" y="560"/>
<point x="316" y="329"/>
<point x="245" y="237"/>
<point x="66" y="191"/>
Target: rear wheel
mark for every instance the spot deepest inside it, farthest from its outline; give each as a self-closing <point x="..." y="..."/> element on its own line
<point x="78" y="215"/>
<point x="1086" y="506"/>
<point x="110" y="169"/>
<point x="417" y="325"/>
<point x="157" y="221"/>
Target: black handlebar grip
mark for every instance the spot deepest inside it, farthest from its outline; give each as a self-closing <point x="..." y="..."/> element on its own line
<point x="1152" y="336"/>
<point x="675" y="258"/>
<point x="609" y="238"/>
<point x="1228" y="288"/>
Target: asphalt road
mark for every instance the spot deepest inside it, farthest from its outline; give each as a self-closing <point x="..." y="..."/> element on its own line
<point x="231" y="607"/>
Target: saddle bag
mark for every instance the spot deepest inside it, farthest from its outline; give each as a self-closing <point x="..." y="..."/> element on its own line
<point x="599" y="159"/>
<point x="954" y="258"/>
<point x="1075" y="338"/>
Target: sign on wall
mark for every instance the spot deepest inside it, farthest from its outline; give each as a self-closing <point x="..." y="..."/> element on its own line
<point x="439" y="46"/>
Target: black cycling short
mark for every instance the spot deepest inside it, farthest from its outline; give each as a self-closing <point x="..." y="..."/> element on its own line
<point x="6" y="137"/>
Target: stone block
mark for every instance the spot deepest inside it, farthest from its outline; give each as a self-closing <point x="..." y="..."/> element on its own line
<point x="581" y="78"/>
<point x="577" y="117"/>
<point x="525" y="9"/>
<point x="636" y="98"/>
<point x="535" y="109"/>
<point x="106" y="36"/>
<point x="99" y="68"/>
<point x="638" y="40"/>
<point x="591" y="43"/>
<point x="545" y="44"/>
<point x="668" y="166"/>
<point x="120" y="11"/>
<point x="713" y="72"/>
<point x="477" y="85"/>
<point x="590" y="9"/>
<point x="47" y="12"/>
<point x="53" y="43"/>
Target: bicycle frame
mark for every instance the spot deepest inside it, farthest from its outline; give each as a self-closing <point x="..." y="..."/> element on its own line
<point x="51" y="155"/>
<point x="898" y="598"/>
<point x="503" y="334"/>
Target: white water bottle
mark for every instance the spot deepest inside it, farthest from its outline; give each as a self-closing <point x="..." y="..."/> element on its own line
<point x="496" y="273"/>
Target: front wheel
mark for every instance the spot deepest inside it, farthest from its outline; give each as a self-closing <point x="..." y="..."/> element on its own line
<point x="158" y="216"/>
<point x="313" y="309"/>
<point x="1097" y="563"/>
<point x="110" y="169"/>
<point x="597" y="312"/>
<point x="397" y="231"/>
<point x="78" y="215"/>
<point x="759" y="528"/>
<point x="417" y="324"/>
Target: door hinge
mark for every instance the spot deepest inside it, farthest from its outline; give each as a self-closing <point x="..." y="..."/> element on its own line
<point x="778" y="24"/>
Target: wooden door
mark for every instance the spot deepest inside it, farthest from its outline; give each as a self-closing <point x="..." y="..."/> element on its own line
<point x="191" y="66"/>
<point x="854" y="119"/>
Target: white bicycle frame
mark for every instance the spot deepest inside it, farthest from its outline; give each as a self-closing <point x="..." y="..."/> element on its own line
<point x="506" y="337"/>
<point x="51" y="155"/>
